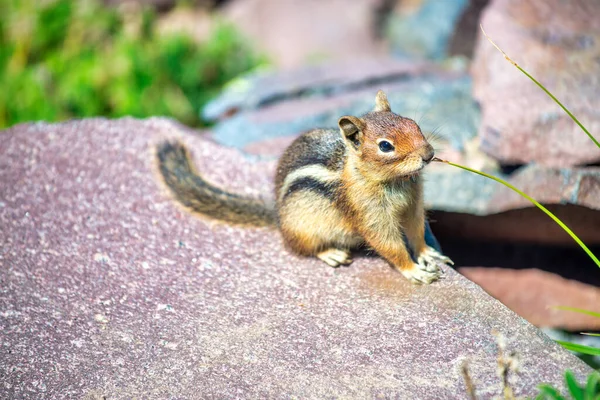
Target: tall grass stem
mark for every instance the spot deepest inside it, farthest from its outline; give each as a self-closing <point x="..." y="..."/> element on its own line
<point x="532" y="200"/>
<point x="542" y="87"/>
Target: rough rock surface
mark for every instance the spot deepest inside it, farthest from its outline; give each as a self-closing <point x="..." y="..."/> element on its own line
<point x="532" y="293"/>
<point x="558" y="42"/>
<point x="108" y="288"/>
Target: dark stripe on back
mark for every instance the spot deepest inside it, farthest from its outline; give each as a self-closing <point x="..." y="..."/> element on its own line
<point x="326" y="149"/>
<point x="308" y="159"/>
<point x="327" y="190"/>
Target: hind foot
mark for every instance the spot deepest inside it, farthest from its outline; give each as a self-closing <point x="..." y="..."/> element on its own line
<point x="335" y="257"/>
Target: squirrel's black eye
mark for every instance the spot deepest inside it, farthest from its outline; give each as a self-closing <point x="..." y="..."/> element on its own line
<point x="385" y="146"/>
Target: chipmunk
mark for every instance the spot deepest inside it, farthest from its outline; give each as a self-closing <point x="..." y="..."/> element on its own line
<point x="335" y="192"/>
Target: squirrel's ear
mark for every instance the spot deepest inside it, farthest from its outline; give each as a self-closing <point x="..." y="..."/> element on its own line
<point x="351" y="128"/>
<point x="381" y="102"/>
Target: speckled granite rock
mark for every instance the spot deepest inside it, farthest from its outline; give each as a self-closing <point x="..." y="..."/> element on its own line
<point x="108" y="288"/>
<point x="558" y="42"/>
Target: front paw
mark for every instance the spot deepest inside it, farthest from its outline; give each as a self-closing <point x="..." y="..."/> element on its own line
<point x="423" y="273"/>
<point x="430" y="256"/>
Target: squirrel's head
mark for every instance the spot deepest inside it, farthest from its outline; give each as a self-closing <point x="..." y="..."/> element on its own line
<point x="385" y="145"/>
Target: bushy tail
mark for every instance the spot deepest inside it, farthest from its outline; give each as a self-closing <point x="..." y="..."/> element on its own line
<point x="199" y="195"/>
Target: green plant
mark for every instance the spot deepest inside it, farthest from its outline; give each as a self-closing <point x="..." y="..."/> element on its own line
<point x="62" y="59"/>
<point x="579" y="348"/>
<point x="589" y="391"/>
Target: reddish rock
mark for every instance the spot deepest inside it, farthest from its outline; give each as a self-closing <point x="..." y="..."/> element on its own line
<point x="550" y="186"/>
<point x="108" y="288"/>
<point x="295" y="32"/>
<point x="532" y="294"/>
<point x="467" y="28"/>
<point x="558" y="42"/>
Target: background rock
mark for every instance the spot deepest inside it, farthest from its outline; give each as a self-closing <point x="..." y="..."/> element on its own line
<point x="109" y="288"/>
<point x="296" y="32"/>
<point x="558" y="42"/>
<point x="424" y="28"/>
<point x="462" y="191"/>
<point x="532" y="294"/>
<point x="522" y="225"/>
<point x="262" y="89"/>
<point x="288" y="103"/>
<point x="467" y="29"/>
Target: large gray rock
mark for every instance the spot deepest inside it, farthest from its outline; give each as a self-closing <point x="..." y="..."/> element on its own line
<point x="287" y="103"/>
<point x="558" y="42"/>
<point x="109" y="288"/>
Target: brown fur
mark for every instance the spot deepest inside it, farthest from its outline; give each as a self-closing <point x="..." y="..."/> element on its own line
<point x="195" y="193"/>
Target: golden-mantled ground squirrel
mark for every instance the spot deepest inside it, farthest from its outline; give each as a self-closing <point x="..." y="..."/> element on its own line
<point x="335" y="192"/>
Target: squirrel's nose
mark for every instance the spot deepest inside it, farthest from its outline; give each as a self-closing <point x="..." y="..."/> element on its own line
<point x="428" y="154"/>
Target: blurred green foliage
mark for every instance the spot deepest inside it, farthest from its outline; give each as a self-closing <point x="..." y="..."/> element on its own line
<point x="62" y="59"/>
<point x="590" y="390"/>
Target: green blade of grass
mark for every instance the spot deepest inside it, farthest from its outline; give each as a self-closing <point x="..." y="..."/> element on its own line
<point x="578" y="310"/>
<point x="591" y="388"/>
<point x="548" y="392"/>
<point x="574" y="389"/>
<point x="541" y="87"/>
<point x="579" y="348"/>
<point x="532" y="200"/>
<point x="590" y="334"/>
